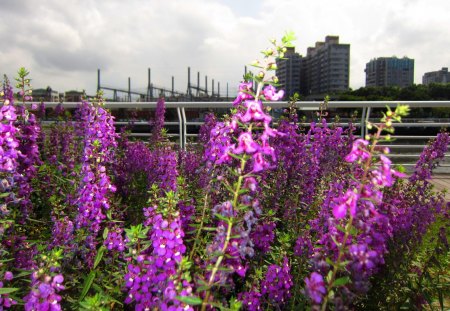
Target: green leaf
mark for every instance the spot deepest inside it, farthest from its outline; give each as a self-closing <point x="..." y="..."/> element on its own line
<point x="221" y="217"/>
<point x="209" y="229"/>
<point x="340" y="228"/>
<point x="190" y="300"/>
<point x="330" y="262"/>
<point x="99" y="255"/>
<point x="105" y="233"/>
<point x="353" y="230"/>
<point x="235" y="304"/>
<point x="21" y="274"/>
<point x="7" y="290"/>
<point x="341" y="281"/>
<point x="441" y="300"/>
<point x="87" y="285"/>
<point x="288" y="38"/>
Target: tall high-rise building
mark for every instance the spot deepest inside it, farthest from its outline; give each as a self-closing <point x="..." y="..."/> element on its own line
<point x="288" y="72"/>
<point x="440" y="76"/>
<point x="390" y="71"/>
<point x="326" y="67"/>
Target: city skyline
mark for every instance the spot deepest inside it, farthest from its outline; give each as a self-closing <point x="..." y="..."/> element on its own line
<point x="63" y="44"/>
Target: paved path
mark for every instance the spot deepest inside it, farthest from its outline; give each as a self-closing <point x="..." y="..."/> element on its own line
<point x="442" y="182"/>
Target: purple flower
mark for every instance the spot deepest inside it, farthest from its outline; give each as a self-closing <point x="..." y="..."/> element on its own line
<point x="359" y="151"/>
<point x="251" y="301"/>
<point x="346" y="202"/>
<point x="315" y="287"/>
<point x="158" y="123"/>
<point x="244" y="93"/>
<point x="259" y="163"/>
<point x="43" y="295"/>
<point x="430" y="157"/>
<point x="263" y="236"/>
<point x="270" y="93"/>
<point x="254" y="112"/>
<point x="246" y="144"/>
<point x="114" y="240"/>
<point x="8" y="276"/>
<point x="277" y="283"/>
<point x="363" y="259"/>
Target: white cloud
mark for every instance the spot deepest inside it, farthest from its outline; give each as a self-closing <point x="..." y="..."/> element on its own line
<point x="63" y="43"/>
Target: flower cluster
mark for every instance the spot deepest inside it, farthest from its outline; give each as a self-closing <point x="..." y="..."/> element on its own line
<point x="95" y="187"/>
<point x="158" y="123"/>
<point x="99" y="144"/>
<point x="430" y="157"/>
<point x="205" y="129"/>
<point x="278" y="283"/>
<point x="44" y="293"/>
<point x="30" y="159"/>
<point x="251" y="300"/>
<point x="315" y="287"/>
<point x="63" y="149"/>
<point x="114" y="240"/>
<point x="147" y="167"/>
<point x="263" y="235"/>
<point x="221" y="145"/>
<point x="357" y="207"/>
<point x="9" y="154"/>
<point x="8" y="141"/>
<point x="165" y="169"/>
<point x="154" y="279"/>
<point x="62" y="233"/>
<point x="5" y="300"/>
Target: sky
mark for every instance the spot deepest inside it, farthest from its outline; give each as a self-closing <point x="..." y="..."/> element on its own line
<point x="63" y="43"/>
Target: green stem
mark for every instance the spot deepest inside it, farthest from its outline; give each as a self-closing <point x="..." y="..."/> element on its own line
<point x="199" y="230"/>
<point x="228" y="236"/>
<point x="217" y="265"/>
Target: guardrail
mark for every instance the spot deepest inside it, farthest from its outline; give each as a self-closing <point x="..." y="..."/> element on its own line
<point x="366" y="108"/>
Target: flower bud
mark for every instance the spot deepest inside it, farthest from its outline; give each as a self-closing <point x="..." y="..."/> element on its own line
<point x="388" y="123"/>
<point x="275" y="79"/>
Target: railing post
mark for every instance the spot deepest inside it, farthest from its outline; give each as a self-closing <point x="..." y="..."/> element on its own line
<point x="366" y="130"/>
<point x="180" y="126"/>
<point x="183" y="114"/>
<point x="363" y="122"/>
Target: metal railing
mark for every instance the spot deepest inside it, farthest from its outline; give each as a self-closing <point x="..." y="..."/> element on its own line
<point x="183" y="124"/>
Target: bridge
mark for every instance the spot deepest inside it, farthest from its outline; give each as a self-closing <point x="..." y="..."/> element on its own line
<point x="194" y="91"/>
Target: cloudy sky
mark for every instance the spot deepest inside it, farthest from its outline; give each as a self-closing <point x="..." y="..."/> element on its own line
<point x="63" y="43"/>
